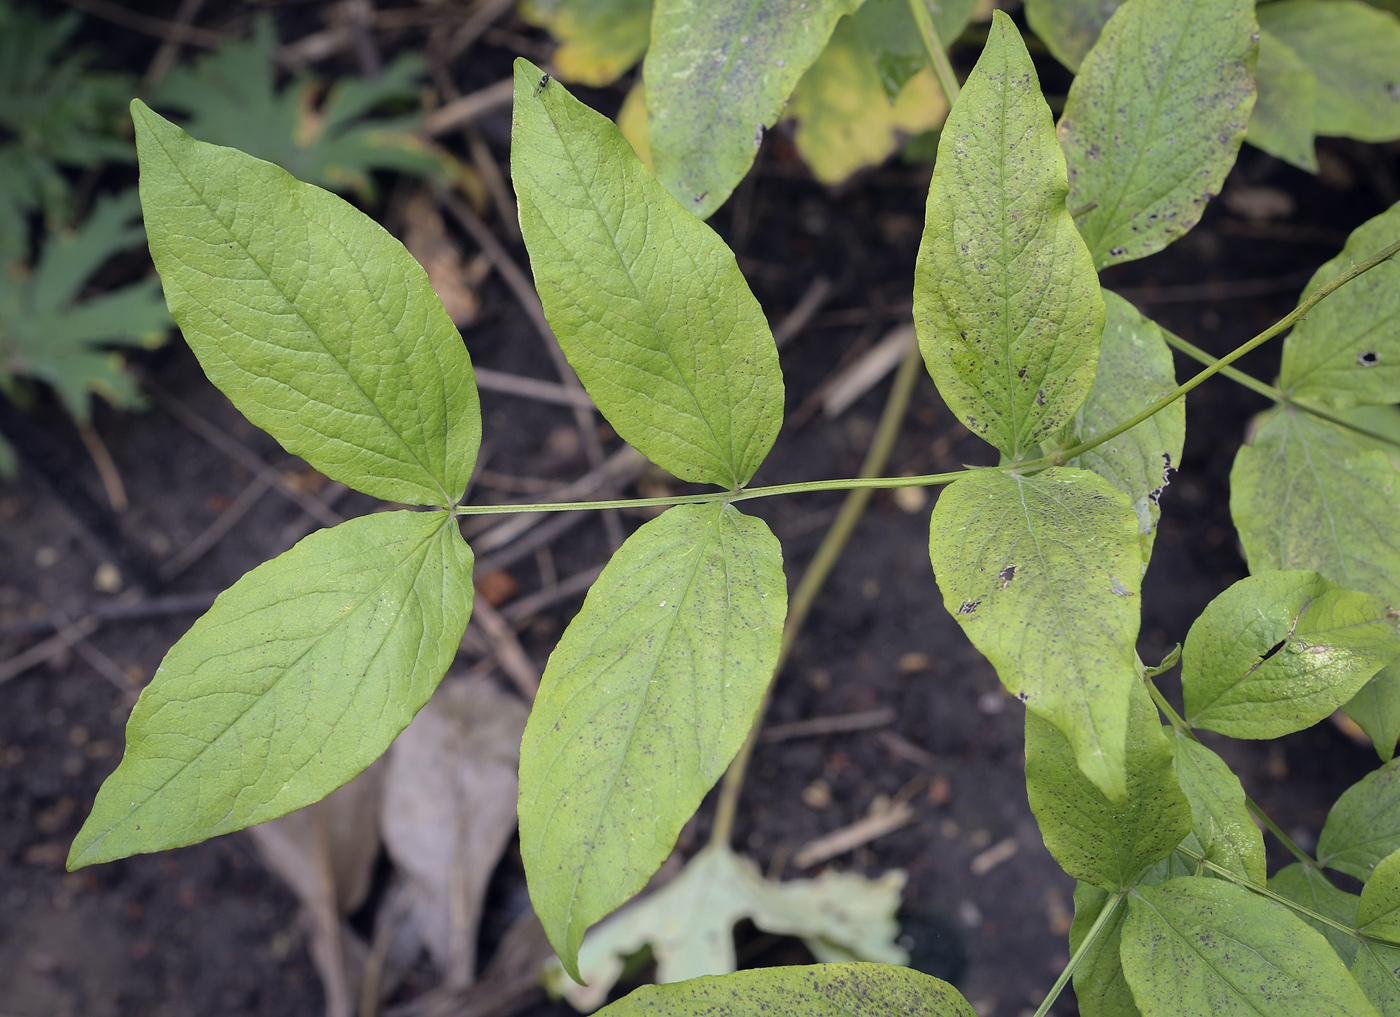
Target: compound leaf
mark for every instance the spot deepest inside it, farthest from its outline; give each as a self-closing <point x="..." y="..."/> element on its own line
<point x="645" y="701"/>
<point x="816" y="990"/>
<point x="298" y="678"/>
<point x="1154" y="120"/>
<point x="1134" y="370"/>
<point x="1043" y="574"/>
<point x="1224" y="828"/>
<point x="717" y="76"/>
<point x="1069" y="28"/>
<point x="1093" y="839"/>
<point x="312" y="319"/>
<point x="1281" y="650"/>
<point x="1347" y="350"/>
<point x="1353" y="51"/>
<point x="1006" y="302"/>
<point x="1364" y="824"/>
<point x="1306" y="885"/>
<point x="599" y="40"/>
<point x="1308" y="494"/>
<point x="1196" y="945"/>
<point x="647" y="301"/>
<point x="1282" y="122"/>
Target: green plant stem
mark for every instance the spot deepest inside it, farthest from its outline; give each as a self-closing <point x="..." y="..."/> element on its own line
<point x="1264" y="891"/>
<point x="1287" y="321"/>
<point x="800" y="604"/>
<point x="1173" y="718"/>
<point x="933" y="48"/>
<point x="1275" y="393"/>
<point x="1109" y="907"/>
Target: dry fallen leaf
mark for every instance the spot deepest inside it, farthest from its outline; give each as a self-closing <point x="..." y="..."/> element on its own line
<point x="426" y="237"/>
<point x="449" y="812"/>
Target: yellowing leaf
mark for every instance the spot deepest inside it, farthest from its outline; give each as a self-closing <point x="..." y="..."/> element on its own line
<point x="599" y="40"/>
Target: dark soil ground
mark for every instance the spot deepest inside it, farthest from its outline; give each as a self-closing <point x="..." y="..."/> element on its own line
<point x="206" y="930"/>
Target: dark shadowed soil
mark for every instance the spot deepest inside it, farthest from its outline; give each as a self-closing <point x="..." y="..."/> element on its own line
<point x="205" y="930"/>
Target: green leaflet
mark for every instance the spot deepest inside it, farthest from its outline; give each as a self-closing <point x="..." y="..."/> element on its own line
<point x="1347" y="350"/>
<point x="312" y="319"/>
<point x="1353" y="50"/>
<point x="648" y="303"/>
<point x="1378" y="914"/>
<point x="1093" y="839"/>
<point x="298" y="678"/>
<point x="1043" y="574"/>
<point x="688" y="923"/>
<point x="1282" y="123"/>
<point x="1069" y="28"/>
<point x="1306" y="885"/>
<point x="1135" y="369"/>
<point x="892" y="37"/>
<point x="1377" y="971"/>
<point x="1311" y="495"/>
<point x="1221" y="821"/>
<point x="1207" y="946"/>
<point x="816" y="990"/>
<point x="1154" y="120"/>
<point x="1099" y="984"/>
<point x="599" y="40"/>
<point x="717" y="75"/>
<point x="1006" y="303"/>
<point x="46" y="332"/>
<point x="1279" y="651"/>
<point x="645" y="701"/>
<point x="1364" y="824"/>
<point x="1376" y="709"/>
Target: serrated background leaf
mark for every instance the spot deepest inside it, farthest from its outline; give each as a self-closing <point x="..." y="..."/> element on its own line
<point x="311" y="318"/>
<point x="645" y="701"/>
<point x="1206" y="946"/>
<point x="824" y="990"/>
<point x="647" y="301"/>
<point x="1353" y="50"/>
<point x="717" y="76"/>
<point x="599" y="40"/>
<point x="1347" y="350"/>
<point x="1069" y="28"/>
<point x="1364" y="824"/>
<point x="1154" y="120"/>
<point x="1006" y="302"/>
<point x="298" y="678"/>
<point x="1100" y="988"/>
<point x="1093" y="839"/>
<point x="1285" y="110"/>
<point x="1043" y="574"/>
<point x="1281" y="650"/>
<point x="1306" y="885"/>
<point x="1134" y="370"/>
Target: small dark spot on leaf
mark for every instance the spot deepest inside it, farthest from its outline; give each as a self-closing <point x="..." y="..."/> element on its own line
<point x="1024" y="697"/>
<point x="968" y="606"/>
<point x="1392" y="89"/>
<point x="1006" y="575"/>
<point x="1118" y="252"/>
<point x="1369" y="359"/>
<point x="1040" y="397"/>
<point x="1020" y="372"/>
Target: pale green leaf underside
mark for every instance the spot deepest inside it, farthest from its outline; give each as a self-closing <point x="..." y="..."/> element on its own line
<point x="647" y="301"/>
<point x="1221" y="821"/>
<point x="1134" y="370"/>
<point x="298" y="678"/>
<point x="1364" y="825"/>
<point x="1205" y="946"/>
<point x="1378" y="914"/>
<point x="1093" y="839"/>
<point x="312" y="319"/>
<point x="1154" y="120"/>
<point x="1069" y="28"/>
<point x="1281" y="650"/>
<point x="645" y="701"/>
<point x="688" y="923"/>
<point x="1306" y="885"/>
<point x="1006" y="302"/>
<point x="1353" y="50"/>
<point x="1347" y="350"/>
<point x="1282" y="122"/>
<point x="1311" y="495"/>
<point x="717" y="76"/>
<point x="1099" y="984"/>
<point x="818" y="990"/>
<point x="1043" y="574"/>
